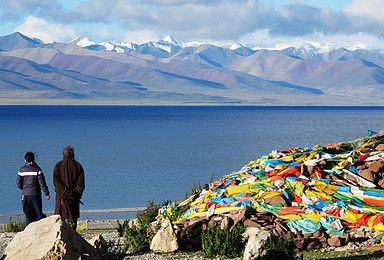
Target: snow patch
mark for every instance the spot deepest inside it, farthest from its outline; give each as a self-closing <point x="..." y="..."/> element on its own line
<point x="236" y="46"/>
<point x="84" y="42"/>
<point x="170" y="40"/>
<point x="166" y="48"/>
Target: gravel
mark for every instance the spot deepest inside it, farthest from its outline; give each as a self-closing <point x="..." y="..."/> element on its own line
<point x="5" y="238"/>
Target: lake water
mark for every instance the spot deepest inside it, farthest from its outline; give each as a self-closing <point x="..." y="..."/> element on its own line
<point x="133" y="154"/>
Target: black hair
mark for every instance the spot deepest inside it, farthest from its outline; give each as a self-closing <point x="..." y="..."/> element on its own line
<point x="69" y="152"/>
<point x="29" y="157"/>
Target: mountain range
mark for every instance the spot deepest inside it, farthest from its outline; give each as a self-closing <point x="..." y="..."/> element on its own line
<point x="170" y="73"/>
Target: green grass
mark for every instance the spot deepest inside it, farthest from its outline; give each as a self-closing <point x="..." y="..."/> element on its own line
<point x="319" y="254"/>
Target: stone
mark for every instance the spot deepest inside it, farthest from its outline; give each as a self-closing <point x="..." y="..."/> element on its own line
<point x="212" y="223"/>
<point x="314" y="242"/>
<point x="287" y="235"/>
<point x="165" y="239"/>
<point x="361" y="167"/>
<point x="299" y="235"/>
<point x="254" y="248"/>
<point x="381" y="183"/>
<point x="336" y="241"/>
<point x="299" y="243"/>
<point x="97" y="240"/>
<point x="240" y="218"/>
<point x="321" y="235"/>
<point x="368" y="175"/>
<point x="275" y="233"/>
<point x="376" y="166"/>
<point x="380" y="147"/>
<point x="250" y="223"/>
<point x="49" y="238"/>
<point x="346" y="237"/>
<point x="225" y="223"/>
<point x="374" y="249"/>
<point x="195" y="220"/>
<point x="365" y="150"/>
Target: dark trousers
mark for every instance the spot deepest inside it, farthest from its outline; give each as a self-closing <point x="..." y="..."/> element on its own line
<point x="32" y="207"/>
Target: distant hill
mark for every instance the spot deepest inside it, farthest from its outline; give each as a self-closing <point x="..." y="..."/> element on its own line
<point x="168" y="72"/>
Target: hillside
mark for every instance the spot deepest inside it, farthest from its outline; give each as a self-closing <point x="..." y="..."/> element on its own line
<point x="167" y="72"/>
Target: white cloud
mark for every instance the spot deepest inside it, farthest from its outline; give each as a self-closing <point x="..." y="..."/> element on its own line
<point x="105" y="33"/>
<point x="30" y="5"/>
<point x="196" y="19"/>
<point x="245" y="21"/>
<point x="141" y="36"/>
<point x="100" y="10"/>
<point x="263" y="39"/>
<point x="368" y="9"/>
<point x="38" y="28"/>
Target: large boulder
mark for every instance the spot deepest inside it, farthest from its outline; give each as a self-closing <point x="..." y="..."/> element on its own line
<point x="255" y="245"/>
<point x="165" y="239"/>
<point x="49" y="238"/>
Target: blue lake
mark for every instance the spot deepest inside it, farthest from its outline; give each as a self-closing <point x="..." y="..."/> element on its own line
<point x="133" y="154"/>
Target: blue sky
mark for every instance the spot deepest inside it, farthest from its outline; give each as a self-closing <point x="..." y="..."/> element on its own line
<point x="263" y="23"/>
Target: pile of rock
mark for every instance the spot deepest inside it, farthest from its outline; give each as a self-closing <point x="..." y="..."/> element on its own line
<point x="336" y="189"/>
<point x="185" y="235"/>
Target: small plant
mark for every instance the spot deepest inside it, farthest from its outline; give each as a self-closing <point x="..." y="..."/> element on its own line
<point x="223" y="243"/>
<point x="279" y="248"/>
<point x="212" y="177"/>
<point x="121" y="228"/>
<point x="147" y="216"/>
<point x="110" y="251"/>
<point x="15" y="226"/>
<point x="138" y="238"/>
<point x="195" y="188"/>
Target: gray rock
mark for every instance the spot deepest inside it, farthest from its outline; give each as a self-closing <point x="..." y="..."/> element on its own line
<point x="255" y="245"/>
<point x="165" y="239"/>
<point x="49" y="238"/>
<point x="98" y="239"/>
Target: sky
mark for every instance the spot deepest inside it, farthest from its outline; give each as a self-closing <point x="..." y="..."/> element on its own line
<point x="255" y="23"/>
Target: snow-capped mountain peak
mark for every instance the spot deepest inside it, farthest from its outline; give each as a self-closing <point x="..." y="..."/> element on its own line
<point x="83" y="42"/>
<point x="169" y="39"/>
<point x="236" y="46"/>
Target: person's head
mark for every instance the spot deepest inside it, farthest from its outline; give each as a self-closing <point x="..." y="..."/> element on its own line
<point x="69" y="152"/>
<point x="29" y="157"/>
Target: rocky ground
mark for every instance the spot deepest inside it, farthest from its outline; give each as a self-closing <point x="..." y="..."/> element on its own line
<point x="109" y="236"/>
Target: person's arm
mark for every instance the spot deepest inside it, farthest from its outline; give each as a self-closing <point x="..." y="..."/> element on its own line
<point x="43" y="184"/>
<point x="19" y="181"/>
<point x="80" y="184"/>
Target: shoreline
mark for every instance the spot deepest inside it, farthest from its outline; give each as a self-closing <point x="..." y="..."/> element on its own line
<point x="88" y="214"/>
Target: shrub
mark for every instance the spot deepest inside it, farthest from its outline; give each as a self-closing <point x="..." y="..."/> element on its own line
<point x="195" y="188"/>
<point x="15" y="226"/>
<point x="279" y="248"/>
<point x="223" y="243"/>
<point x="147" y="216"/>
<point x="138" y="238"/>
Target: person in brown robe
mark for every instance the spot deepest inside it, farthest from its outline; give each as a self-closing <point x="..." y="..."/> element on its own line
<point x="68" y="179"/>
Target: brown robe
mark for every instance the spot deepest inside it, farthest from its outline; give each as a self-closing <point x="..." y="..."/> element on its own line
<point x="68" y="179"/>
